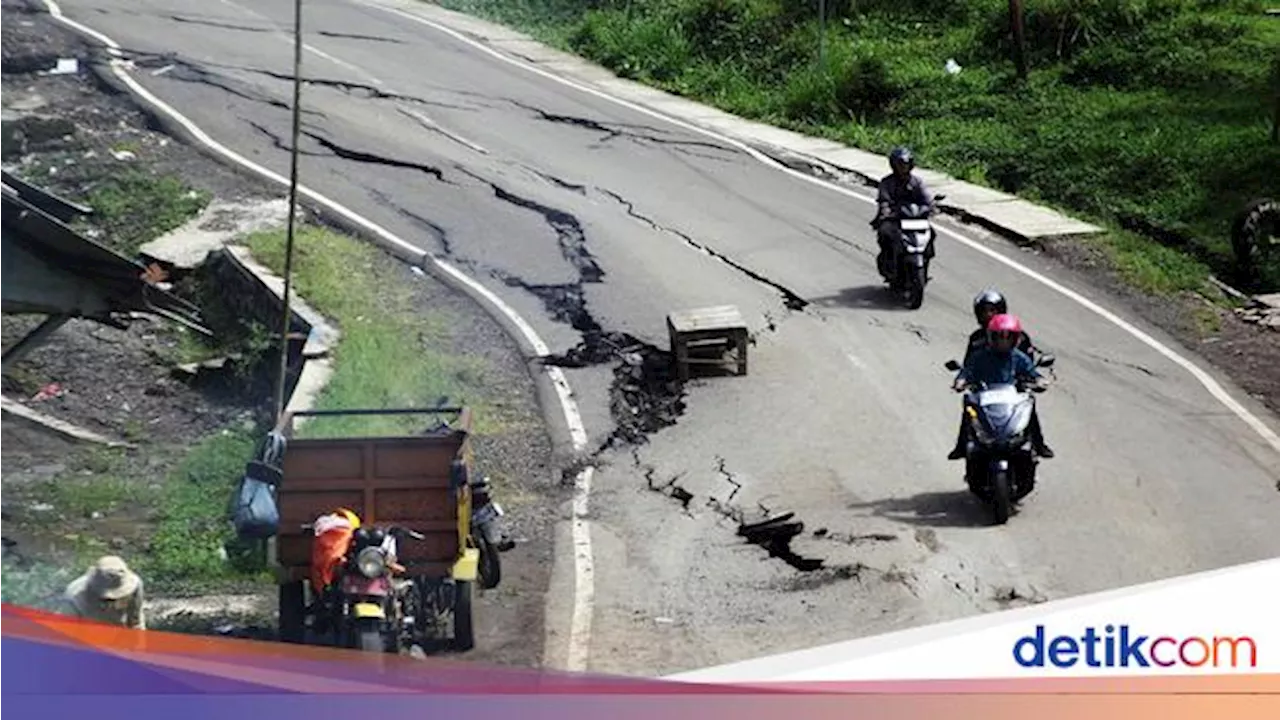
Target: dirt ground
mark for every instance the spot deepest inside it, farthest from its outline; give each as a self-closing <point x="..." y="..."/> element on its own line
<point x="114" y="382"/>
<point x="118" y="383"/>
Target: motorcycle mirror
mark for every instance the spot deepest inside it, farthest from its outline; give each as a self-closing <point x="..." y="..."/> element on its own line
<point x="1046" y="361"/>
<point x="953" y="365"/>
<point x="939" y="198"/>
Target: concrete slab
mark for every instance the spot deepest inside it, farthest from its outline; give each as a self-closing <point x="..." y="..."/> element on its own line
<point x="1028" y="220"/>
<point x="220" y="223"/>
<point x="1271" y="300"/>
<point x="788" y="139"/>
<point x="963" y="194"/>
<point x="576" y="68"/>
<point x="867" y="164"/>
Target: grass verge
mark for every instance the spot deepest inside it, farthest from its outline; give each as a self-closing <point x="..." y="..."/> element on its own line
<point x="392" y="352"/>
<point x="1152" y="117"/>
<point x="136" y="207"/>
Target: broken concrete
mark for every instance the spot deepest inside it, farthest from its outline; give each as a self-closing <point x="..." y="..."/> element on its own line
<point x="221" y="222"/>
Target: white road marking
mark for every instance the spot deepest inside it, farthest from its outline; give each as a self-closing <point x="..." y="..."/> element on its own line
<point x="584" y="576"/>
<point x="1200" y="375"/>
<point x="287" y="36"/>
<point x="856" y="361"/>
<point x="433" y="125"/>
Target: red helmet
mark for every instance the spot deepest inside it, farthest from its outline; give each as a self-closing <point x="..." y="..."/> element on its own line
<point x="1004" y="327"/>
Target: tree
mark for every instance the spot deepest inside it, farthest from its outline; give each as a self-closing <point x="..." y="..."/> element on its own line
<point x="1019" y="39"/>
<point x="1275" y="91"/>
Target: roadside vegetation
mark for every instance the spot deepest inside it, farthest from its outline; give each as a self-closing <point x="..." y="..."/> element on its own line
<point x="135" y="207"/>
<point x="1151" y="116"/>
<point x="392" y="351"/>
<point x="171" y="521"/>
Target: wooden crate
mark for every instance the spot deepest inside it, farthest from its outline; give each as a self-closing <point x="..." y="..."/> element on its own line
<point x="704" y="336"/>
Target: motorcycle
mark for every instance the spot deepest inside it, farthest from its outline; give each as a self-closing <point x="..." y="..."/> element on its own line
<point x="487" y="533"/>
<point x="1000" y="465"/>
<point x="370" y="607"/>
<point x="907" y="268"/>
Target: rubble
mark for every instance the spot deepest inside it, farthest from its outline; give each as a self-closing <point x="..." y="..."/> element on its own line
<point x="1263" y="310"/>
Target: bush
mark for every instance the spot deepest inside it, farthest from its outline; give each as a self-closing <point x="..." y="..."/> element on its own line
<point x="645" y="48"/>
<point x="850" y="85"/>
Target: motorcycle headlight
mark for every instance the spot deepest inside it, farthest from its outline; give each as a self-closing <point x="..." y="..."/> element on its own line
<point x="371" y="562"/>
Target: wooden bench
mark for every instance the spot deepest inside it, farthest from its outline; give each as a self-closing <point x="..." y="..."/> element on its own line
<point x="703" y="336"/>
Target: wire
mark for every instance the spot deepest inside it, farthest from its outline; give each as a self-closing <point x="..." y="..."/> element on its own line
<point x="287" y="314"/>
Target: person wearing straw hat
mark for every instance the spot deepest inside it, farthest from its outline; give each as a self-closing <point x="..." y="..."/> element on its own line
<point x="108" y="592"/>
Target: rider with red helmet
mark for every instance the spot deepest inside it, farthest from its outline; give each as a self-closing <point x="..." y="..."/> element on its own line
<point x="986" y="305"/>
<point x="1001" y="362"/>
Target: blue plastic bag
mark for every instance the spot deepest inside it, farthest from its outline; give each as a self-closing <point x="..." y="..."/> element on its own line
<point x="254" y="512"/>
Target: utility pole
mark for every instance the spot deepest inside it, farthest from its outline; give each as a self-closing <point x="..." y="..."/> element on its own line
<point x="287" y="314"/>
<point x="1275" y="89"/>
<point x="1019" y="38"/>
<point x="822" y="35"/>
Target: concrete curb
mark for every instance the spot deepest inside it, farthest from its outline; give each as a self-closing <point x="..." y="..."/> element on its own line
<point x="323" y="337"/>
<point x="1002" y="213"/>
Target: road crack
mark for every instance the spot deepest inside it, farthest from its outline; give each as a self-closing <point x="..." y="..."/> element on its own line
<point x="437" y="231"/>
<point x="790" y="299"/>
<point x="357" y="36"/>
<point x="365" y="157"/>
<point x="613" y="130"/>
<point x="188" y="72"/>
<point x="221" y="25"/>
<point x="1133" y="366"/>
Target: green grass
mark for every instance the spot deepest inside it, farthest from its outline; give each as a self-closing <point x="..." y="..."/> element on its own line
<point x="392" y="353"/>
<point x="1147" y="115"/>
<point x="136" y="207"/>
<point x="192" y="528"/>
<point x="38" y="585"/>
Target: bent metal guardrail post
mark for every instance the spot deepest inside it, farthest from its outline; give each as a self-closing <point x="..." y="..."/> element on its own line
<point x="50" y="269"/>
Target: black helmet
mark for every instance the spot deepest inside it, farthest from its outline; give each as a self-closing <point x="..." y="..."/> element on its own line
<point x="902" y="155"/>
<point x="989" y="298"/>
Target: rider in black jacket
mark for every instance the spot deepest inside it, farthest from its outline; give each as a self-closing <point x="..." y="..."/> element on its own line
<point x="900" y="187"/>
<point x="987" y="305"/>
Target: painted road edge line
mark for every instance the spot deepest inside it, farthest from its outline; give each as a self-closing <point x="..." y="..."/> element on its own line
<point x="584" y="579"/>
<point x="1212" y="386"/>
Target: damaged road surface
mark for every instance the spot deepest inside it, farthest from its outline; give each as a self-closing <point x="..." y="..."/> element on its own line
<point x="807" y="502"/>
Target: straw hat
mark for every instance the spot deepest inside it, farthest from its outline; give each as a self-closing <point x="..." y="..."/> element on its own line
<point x="107" y="579"/>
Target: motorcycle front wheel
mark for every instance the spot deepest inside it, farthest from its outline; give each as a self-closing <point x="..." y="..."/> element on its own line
<point x="916" y="288"/>
<point x="1001" y="501"/>
<point x="369" y="636"/>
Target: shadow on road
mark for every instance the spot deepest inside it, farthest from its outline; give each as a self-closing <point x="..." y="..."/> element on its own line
<point x="934" y="509"/>
<point x="865" y="297"/>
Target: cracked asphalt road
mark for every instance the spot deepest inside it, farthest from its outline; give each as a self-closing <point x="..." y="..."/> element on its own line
<point x="594" y="222"/>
